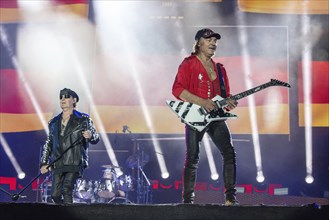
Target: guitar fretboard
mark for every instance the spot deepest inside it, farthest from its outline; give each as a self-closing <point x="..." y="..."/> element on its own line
<point x="251" y="91"/>
<point x="273" y="82"/>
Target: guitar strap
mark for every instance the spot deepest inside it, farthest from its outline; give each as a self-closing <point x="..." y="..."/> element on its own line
<point x="221" y="82"/>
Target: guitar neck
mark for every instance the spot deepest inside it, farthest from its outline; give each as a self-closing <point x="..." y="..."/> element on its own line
<point x="273" y="82"/>
<point x="251" y="91"/>
<point x="245" y="93"/>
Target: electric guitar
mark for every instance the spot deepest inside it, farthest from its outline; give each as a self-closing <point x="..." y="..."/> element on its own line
<point x="198" y="118"/>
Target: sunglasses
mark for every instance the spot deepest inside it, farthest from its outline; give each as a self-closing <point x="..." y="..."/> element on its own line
<point x="66" y="96"/>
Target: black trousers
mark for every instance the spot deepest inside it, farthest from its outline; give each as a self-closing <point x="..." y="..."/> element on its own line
<point x="62" y="188"/>
<point x="221" y="137"/>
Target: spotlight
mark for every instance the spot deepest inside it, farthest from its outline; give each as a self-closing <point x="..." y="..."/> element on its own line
<point x="214" y="176"/>
<point x="309" y="179"/>
<point x="165" y="175"/>
<point x="260" y="178"/>
<point x="21" y="175"/>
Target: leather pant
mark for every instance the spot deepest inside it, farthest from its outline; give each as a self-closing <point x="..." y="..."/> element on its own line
<point x="62" y="189"/>
<point x="221" y="137"/>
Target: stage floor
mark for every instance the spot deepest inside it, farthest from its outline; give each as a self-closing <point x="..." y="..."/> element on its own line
<point x="13" y="211"/>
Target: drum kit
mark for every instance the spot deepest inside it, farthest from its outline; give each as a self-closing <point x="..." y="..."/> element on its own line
<point x="109" y="189"/>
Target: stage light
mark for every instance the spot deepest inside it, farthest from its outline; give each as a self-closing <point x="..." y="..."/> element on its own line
<point x="214" y="176"/>
<point x="165" y="175"/>
<point x="21" y="175"/>
<point x="10" y="154"/>
<point x="307" y="89"/>
<point x="309" y="179"/>
<point x="210" y="157"/>
<point x="243" y="40"/>
<point x="121" y="25"/>
<point x="27" y="87"/>
<point x="82" y="77"/>
<point x="260" y="177"/>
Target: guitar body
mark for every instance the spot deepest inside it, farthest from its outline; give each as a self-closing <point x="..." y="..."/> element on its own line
<point x="193" y="115"/>
<point x="197" y="117"/>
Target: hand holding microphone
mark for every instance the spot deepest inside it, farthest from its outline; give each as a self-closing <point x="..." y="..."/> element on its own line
<point x="44" y="169"/>
<point x="86" y="133"/>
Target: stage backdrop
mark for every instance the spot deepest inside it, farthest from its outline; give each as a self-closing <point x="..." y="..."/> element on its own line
<point x="123" y="65"/>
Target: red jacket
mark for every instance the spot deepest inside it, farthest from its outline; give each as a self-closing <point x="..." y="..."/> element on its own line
<point x="193" y="77"/>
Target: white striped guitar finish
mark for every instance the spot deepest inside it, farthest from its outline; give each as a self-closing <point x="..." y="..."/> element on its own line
<point x="197" y="117"/>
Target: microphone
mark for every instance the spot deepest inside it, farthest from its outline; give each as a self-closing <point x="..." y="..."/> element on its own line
<point x="85" y="128"/>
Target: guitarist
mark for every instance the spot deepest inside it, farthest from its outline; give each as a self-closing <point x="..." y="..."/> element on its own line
<point x="197" y="81"/>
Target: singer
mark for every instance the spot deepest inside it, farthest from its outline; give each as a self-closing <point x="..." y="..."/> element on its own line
<point x="67" y="143"/>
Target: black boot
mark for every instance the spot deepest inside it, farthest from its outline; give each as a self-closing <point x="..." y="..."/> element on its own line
<point x="189" y="184"/>
<point x="230" y="181"/>
<point x="57" y="199"/>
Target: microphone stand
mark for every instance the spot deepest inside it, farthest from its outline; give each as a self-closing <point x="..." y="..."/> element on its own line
<point x="16" y="196"/>
<point x="139" y="180"/>
<point x="38" y="181"/>
<point x="142" y="188"/>
<point x="146" y="194"/>
<point x="44" y="189"/>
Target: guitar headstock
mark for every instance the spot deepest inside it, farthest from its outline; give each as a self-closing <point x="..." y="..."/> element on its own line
<point x="275" y="82"/>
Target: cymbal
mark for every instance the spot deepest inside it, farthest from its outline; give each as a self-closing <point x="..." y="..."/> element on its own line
<point x="132" y="161"/>
<point x="110" y="166"/>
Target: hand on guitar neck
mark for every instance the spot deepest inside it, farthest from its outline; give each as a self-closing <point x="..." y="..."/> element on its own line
<point x="231" y="104"/>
